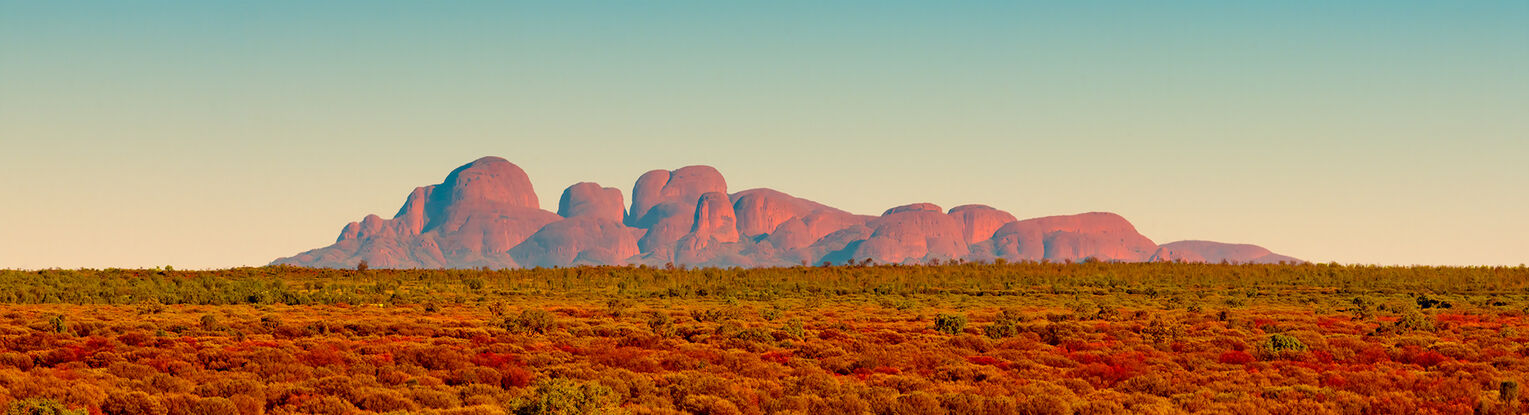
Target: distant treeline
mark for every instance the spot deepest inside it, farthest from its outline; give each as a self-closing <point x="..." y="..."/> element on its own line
<point x="297" y="286"/>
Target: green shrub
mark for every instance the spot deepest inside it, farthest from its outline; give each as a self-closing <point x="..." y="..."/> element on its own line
<point x="58" y="323"/>
<point x="40" y="406"/>
<point x="1414" y="320"/>
<point x="1278" y="345"/>
<point x="661" y="324"/>
<point x="950" y="323"/>
<point x="1001" y="329"/>
<point x="794" y="329"/>
<point x="562" y="396"/>
<point x="531" y="321"/>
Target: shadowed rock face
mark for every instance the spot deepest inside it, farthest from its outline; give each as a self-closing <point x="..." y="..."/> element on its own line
<point x="1207" y="251"/>
<point x="486" y="214"/>
<point x="582" y="240"/>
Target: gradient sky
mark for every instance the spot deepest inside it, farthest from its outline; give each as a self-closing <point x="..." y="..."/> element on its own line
<point x="214" y="134"/>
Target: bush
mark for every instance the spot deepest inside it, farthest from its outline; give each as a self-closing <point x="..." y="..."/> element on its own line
<point x="58" y="323"/>
<point x="794" y="329"/>
<point x="1001" y="329"/>
<point x="1278" y="345"/>
<point x="950" y="323"/>
<point x="1413" y="320"/>
<point x="40" y="406"/>
<point x="1235" y="357"/>
<point x="214" y="406"/>
<point x="562" y="396"/>
<point x="382" y="400"/>
<point x="209" y="322"/>
<point x="132" y="403"/>
<point x="531" y="321"/>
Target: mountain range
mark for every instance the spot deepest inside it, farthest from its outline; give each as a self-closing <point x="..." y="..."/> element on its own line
<point x="486" y="214"/>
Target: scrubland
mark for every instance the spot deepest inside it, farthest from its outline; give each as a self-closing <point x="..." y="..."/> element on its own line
<point x="1031" y="338"/>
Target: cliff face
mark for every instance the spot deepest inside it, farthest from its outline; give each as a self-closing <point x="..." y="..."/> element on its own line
<point x="486" y="214"/>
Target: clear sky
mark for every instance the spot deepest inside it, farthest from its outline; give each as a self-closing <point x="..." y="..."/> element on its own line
<point x="213" y="134"/>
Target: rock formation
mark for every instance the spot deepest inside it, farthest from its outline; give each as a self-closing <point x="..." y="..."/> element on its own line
<point x="486" y="214"/>
<point x="590" y="200"/>
<point x="1102" y="236"/>
<point x="978" y="222"/>
<point x="1207" y="251"/>
<point x="913" y="233"/>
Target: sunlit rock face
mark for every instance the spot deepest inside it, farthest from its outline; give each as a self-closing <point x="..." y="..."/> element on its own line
<point x="664" y="203"/>
<point x="1099" y="235"/>
<point x="912" y="234"/>
<point x="590" y="200"/>
<point x="472" y="219"/>
<point x="978" y="222"/>
<point x="486" y="214"/>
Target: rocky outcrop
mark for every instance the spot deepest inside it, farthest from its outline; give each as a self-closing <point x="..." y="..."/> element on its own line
<point x="472" y="219"/>
<point x="1099" y="235"/>
<point x="590" y="200"/>
<point x="664" y="202"/>
<point x="486" y="214"/>
<point x="1216" y="252"/>
<point x="978" y="222"/>
<point x="913" y="233"/>
<point x="581" y="240"/>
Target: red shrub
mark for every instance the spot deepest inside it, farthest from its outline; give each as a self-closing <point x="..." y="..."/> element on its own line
<point x="515" y="377"/>
<point x="1236" y="357"/>
<point x="778" y="356"/>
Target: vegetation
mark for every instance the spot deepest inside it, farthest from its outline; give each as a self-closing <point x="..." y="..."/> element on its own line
<point x="1087" y="338"/>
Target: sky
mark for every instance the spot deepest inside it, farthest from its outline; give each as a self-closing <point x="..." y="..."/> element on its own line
<point x="209" y="134"/>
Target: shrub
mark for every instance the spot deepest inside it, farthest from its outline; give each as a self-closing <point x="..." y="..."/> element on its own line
<point x="1001" y="329"/>
<point x="950" y="323"/>
<point x="209" y="322"/>
<point x="132" y="403"/>
<point x="562" y="396"/>
<point x="1236" y="357"/>
<point x="661" y="324"/>
<point x="1413" y="320"/>
<point x="1279" y="344"/>
<point x="794" y="329"/>
<point x="214" y="406"/>
<point x="40" y="406"/>
<point x="382" y="400"/>
<point x="531" y="321"/>
<point x="58" y="323"/>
